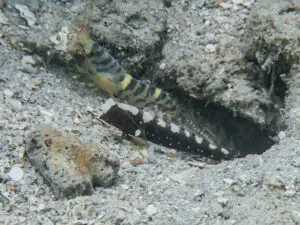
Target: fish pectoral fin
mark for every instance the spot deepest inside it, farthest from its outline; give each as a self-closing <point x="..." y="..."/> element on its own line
<point x="106" y="84"/>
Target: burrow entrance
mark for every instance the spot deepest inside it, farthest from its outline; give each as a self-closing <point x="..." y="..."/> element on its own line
<point x="241" y="135"/>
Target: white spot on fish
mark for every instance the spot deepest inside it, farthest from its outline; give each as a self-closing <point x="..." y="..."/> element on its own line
<point x="174" y="128"/>
<point x="225" y="151"/>
<point x="134" y="110"/>
<point x="187" y="133"/>
<point x="162" y="66"/>
<point x="108" y="104"/>
<point x="137" y="133"/>
<point x="212" y="147"/>
<point x="147" y="117"/>
<point x="199" y="140"/>
<point x="161" y="123"/>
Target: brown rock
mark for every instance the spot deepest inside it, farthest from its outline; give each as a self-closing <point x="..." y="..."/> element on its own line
<point x="71" y="167"/>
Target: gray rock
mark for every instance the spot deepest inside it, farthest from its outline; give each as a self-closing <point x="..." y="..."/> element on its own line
<point x="16" y="173"/>
<point x="26" y="14"/>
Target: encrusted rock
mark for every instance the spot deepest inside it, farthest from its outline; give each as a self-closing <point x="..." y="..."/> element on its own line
<point x="71" y="167"/>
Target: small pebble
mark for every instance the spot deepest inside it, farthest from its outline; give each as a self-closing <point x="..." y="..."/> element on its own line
<point x="198" y="164"/>
<point x="136" y="212"/>
<point x="151" y="210"/>
<point x="59" y="207"/>
<point x="290" y="193"/>
<point x="223" y="201"/>
<point x="35" y="84"/>
<point x="89" y="109"/>
<point x="185" y="175"/>
<point x="281" y="135"/>
<point x="245" y="179"/>
<point x="196" y="209"/>
<point x="45" y="112"/>
<point x="237" y="2"/>
<point x="16" y="173"/>
<point x="8" y="93"/>
<point x="45" y="220"/>
<point x="27" y="59"/>
<point x="162" y="66"/>
<point x="76" y="120"/>
<point x="21" y="152"/>
<point x="47" y="120"/>
<point x="15" y="104"/>
<point x="23" y="28"/>
<point x="296" y="217"/>
<point x="21" y="116"/>
<point x="248" y="4"/>
<point x="4" y="201"/>
<point x="235" y="7"/>
<point x="3" y="123"/>
<point x="77" y="212"/>
<point x="228" y="181"/>
<point x="27" y="68"/>
<point x="124" y="186"/>
<point x="210" y="48"/>
<point x="296" y="162"/>
<point x="199" y="194"/>
<point x="225" y="5"/>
